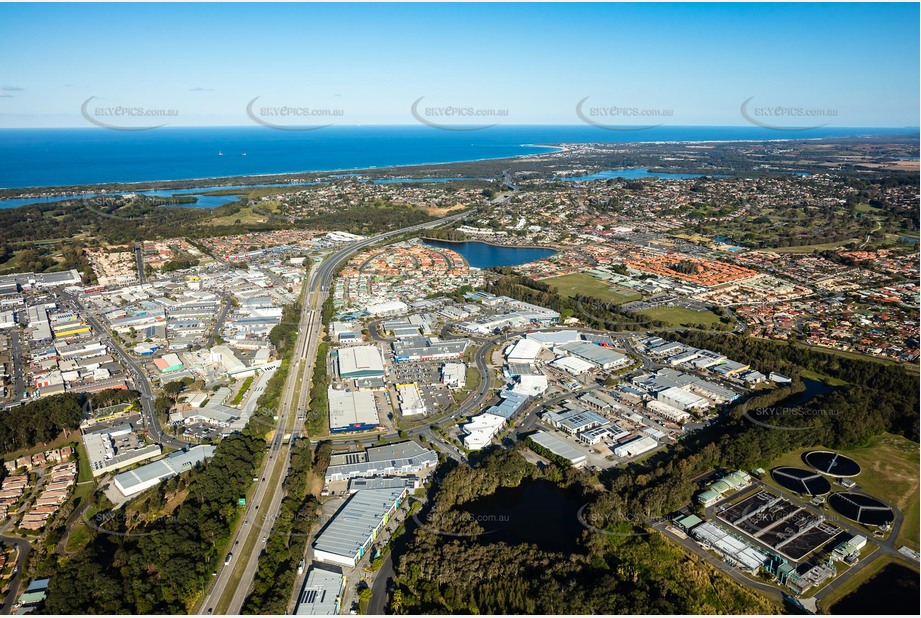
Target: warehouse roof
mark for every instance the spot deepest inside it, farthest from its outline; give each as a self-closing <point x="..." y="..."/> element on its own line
<point x="351" y="408"/>
<point x="360" y="359"/>
<point x="321" y="593"/>
<point x="551" y="338"/>
<point x="593" y="353"/>
<point x="558" y="447"/>
<point x="428" y="346"/>
<point x="524" y="349"/>
<point x="398" y="450"/>
<point x="352" y="526"/>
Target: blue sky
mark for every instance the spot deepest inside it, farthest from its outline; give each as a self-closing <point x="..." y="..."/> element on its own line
<point x="537" y="61"/>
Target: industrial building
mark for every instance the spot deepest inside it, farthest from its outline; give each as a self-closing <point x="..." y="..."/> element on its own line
<point x="602" y="357"/>
<point x="532" y="385"/>
<point x="559" y="448"/>
<point x="551" y="339"/>
<point x="575" y="420"/>
<point x="481" y="429"/>
<point x="355" y="527"/>
<point x="454" y="375"/>
<point x="523" y="351"/>
<point x="736" y="552"/>
<point x="408" y="457"/>
<point x="668" y="412"/>
<point x="360" y="362"/>
<point x="376" y="482"/>
<point x="351" y="411"/>
<point x="427" y="348"/>
<point x="728" y="483"/>
<point x="572" y="365"/>
<point x="635" y="447"/>
<point x="410" y="399"/>
<point x="321" y="594"/>
<point x="511" y="403"/>
<point x="394" y="307"/>
<point x="683" y="400"/>
<point x="114" y="448"/>
<point x="168" y="363"/>
<point x="150" y="475"/>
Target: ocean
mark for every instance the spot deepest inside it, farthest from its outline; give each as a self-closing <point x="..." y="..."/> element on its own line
<point x="55" y="157"/>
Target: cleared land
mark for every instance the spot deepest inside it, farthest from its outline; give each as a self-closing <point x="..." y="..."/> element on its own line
<point x="679" y="316"/>
<point x="587" y="285"/>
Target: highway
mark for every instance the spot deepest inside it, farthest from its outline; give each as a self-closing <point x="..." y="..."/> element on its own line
<point x="232" y="584"/>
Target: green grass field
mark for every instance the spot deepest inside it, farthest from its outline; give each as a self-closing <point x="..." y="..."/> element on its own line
<point x="679" y="316"/>
<point x="587" y="285"/>
<point x="889" y="471"/>
<point x="813" y="375"/>
<point x="811" y="248"/>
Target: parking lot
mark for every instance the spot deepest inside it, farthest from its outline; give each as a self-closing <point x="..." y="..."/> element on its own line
<point x="427" y="375"/>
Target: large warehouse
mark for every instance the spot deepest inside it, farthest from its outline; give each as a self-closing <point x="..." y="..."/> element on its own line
<point x="352" y="411"/>
<point x="559" y="448"/>
<point x="428" y="348"/>
<point x="600" y="356"/>
<point x="356" y="526"/>
<point x="150" y="475"/>
<point x="322" y="593"/>
<point x="682" y="399"/>
<point x="523" y="351"/>
<point x="408" y="457"/>
<point x="360" y="362"/>
<point x="635" y="447"/>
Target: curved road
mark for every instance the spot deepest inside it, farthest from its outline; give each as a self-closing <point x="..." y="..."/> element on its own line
<point x="13" y="593"/>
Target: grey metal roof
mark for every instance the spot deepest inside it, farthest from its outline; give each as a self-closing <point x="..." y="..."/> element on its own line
<point x="557" y="446"/>
<point x="592" y="353"/>
<point x="320" y="594"/>
<point x="352" y="526"/>
<point x="397" y="450"/>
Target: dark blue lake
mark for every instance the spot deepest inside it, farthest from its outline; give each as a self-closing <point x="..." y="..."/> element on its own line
<point x="485" y="255"/>
<point x="814" y="388"/>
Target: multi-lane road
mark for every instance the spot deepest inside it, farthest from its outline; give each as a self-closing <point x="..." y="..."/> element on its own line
<point x="233" y="582"/>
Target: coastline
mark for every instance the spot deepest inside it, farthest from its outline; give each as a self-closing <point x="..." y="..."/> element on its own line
<point x="274" y="178"/>
<point x="293" y="178"/>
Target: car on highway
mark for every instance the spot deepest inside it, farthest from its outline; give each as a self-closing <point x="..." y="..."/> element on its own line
<point x="228" y="559"/>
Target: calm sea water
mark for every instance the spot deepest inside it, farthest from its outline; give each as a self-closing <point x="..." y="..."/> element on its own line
<point x="484" y="255"/>
<point x="54" y="157"/>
